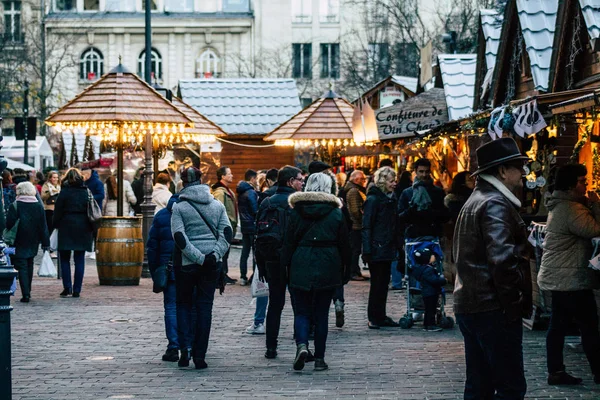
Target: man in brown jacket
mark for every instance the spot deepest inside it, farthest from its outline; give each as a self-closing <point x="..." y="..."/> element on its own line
<point x="493" y="283"/>
<point x="355" y="198"/>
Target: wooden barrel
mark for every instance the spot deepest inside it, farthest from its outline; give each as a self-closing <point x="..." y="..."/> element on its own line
<point x="119" y="251"/>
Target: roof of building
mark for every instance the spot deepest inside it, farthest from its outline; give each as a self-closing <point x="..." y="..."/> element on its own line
<point x="202" y="125"/>
<point x="591" y="15"/>
<point x="243" y="106"/>
<point x="328" y="117"/>
<point x="491" y="25"/>
<point x="538" y="23"/>
<point x="458" y="77"/>
<point x="407" y="81"/>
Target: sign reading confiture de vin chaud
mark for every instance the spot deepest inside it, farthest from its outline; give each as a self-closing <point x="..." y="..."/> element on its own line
<point x="418" y="113"/>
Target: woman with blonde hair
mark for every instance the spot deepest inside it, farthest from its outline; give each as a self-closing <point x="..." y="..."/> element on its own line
<point x="379" y="243"/>
<point x="50" y="191"/>
<point x="75" y="231"/>
<point x="32" y="231"/>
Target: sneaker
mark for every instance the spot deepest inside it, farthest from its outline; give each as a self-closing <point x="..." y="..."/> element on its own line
<point x="230" y="281"/>
<point x="75" y="294"/>
<point x="432" y="328"/>
<point x="243" y="281"/>
<point x="184" y="360"/>
<point x="320" y="364"/>
<point x="65" y="293"/>
<point x="256" y="329"/>
<point x="301" y="353"/>
<point x="562" y="378"/>
<point x="271" y="353"/>
<point x="339" y="313"/>
<point x="171" y="355"/>
<point x="310" y="357"/>
<point x="25" y="299"/>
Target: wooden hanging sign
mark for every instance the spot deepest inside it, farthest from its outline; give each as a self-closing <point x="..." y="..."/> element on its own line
<point x="419" y="113"/>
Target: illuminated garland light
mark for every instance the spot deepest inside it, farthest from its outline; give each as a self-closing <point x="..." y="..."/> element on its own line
<point x="304" y="143"/>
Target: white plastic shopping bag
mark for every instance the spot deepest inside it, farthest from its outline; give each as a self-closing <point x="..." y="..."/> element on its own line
<point x="54" y="240"/>
<point x="258" y="287"/>
<point x="47" y="268"/>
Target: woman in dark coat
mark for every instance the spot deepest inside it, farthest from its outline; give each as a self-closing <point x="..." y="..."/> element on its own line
<point x="75" y="232"/>
<point x="461" y="189"/>
<point x="160" y="251"/>
<point x="31" y="232"/>
<point x="380" y="243"/>
<point x="317" y="255"/>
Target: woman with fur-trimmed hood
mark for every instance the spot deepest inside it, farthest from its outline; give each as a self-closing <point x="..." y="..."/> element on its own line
<point x="317" y="255"/>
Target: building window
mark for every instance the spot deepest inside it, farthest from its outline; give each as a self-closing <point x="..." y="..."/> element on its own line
<point x="330" y="60"/>
<point x="91" y="5"/>
<point x="65" y="5"/>
<point x="91" y="65"/>
<point x="207" y="65"/>
<point x="378" y="62"/>
<point x="12" y="21"/>
<point x="155" y="62"/>
<point x="236" y="5"/>
<point x="302" y="11"/>
<point x="302" y="60"/>
<point x="330" y="11"/>
<point x="407" y="59"/>
<point x="120" y="5"/>
<point x="179" y="5"/>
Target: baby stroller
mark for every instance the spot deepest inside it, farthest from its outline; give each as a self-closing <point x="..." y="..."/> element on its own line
<point x="413" y="311"/>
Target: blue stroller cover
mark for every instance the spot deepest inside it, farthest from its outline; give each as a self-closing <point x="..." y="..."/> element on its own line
<point x="434" y="246"/>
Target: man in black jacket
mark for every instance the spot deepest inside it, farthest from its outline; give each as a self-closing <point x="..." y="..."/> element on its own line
<point x="493" y="283"/>
<point x="423" y="214"/>
<point x="289" y="180"/>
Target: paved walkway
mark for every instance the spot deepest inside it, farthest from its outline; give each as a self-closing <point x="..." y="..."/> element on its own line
<point x="108" y="343"/>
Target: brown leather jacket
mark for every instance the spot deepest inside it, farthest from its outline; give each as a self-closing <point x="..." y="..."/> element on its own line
<point x="492" y="263"/>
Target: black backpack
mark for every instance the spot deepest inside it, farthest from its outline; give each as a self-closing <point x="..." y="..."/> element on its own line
<point x="270" y="229"/>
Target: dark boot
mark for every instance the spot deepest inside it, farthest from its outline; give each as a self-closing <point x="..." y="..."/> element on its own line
<point x="562" y="378"/>
<point x="301" y="354"/>
<point x="271" y="353"/>
<point x="320" y="364"/>
<point x="199" y="363"/>
<point x="66" y="292"/>
<point x="184" y="359"/>
<point x="171" y="355"/>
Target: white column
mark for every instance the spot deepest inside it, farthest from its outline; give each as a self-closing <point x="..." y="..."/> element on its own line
<point x="112" y="59"/>
<point x="189" y="55"/>
<point x="171" y="72"/>
<point x="128" y="61"/>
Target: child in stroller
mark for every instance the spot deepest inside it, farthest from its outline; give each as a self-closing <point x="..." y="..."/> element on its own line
<point x="431" y="281"/>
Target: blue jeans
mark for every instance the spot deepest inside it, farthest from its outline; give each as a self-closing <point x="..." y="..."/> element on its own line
<point x="261" y="309"/>
<point x="170" y="303"/>
<point x="312" y="306"/>
<point x="247" y="245"/>
<point x="65" y="267"/>
<point x="494" y="356"/>
<point x="204" y="282"/>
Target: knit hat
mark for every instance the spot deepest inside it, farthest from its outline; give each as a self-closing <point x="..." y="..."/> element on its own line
<point x="191" y="176"/>
<point x="317" y="166"/>
<point x="422" y="256"/>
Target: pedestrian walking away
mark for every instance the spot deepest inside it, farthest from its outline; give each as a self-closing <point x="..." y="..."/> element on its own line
<point x="32" y="231"/>
<point x="202" y="233"/>
<point x="573" y="221"/>
<point x="50" y="191"/>
<point x="271" y="225"/>
<point x="317" y="254"/>
<point x="493" y="286"/>
<point x="75" y="231"/>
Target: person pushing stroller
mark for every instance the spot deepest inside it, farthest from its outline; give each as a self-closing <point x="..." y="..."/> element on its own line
<point x="431" y="282"/>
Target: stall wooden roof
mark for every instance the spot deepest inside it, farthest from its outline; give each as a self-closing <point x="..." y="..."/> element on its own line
<point x="202" y="125"/>
<point x="119" y="96"/>
<point x="329" y="117"/>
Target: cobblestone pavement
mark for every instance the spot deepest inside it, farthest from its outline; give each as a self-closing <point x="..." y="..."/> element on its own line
<point x="108" y="343"/>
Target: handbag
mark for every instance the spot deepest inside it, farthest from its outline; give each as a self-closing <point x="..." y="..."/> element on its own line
<point x="94" y="212"/>
<point x="160" y="277"/>
<point x="10" y="235"/>
<point x="52" y="199"/>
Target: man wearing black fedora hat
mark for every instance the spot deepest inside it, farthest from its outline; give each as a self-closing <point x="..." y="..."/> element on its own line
<point x="493" y="285"/>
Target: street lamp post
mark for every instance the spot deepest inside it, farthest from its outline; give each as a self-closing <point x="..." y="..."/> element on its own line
<point x="147" y="206"/>
<point x="7" y="276"/>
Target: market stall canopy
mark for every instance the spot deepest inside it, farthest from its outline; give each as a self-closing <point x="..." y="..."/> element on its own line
<point x="13" y="164"/>
<point x="39" y="151"/>
<point x="411" y="117"/>
<point x="118" y="97"/>
<point x="458" y="77"/>
<point x="327" y="118"/>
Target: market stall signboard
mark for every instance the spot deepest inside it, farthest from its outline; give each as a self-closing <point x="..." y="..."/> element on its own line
<point x="419" y="113"/>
